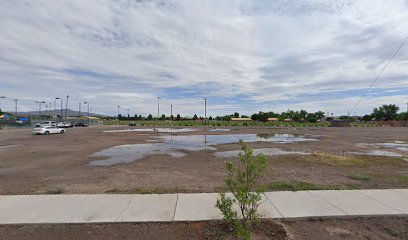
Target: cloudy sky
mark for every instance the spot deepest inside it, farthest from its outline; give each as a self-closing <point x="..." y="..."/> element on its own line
<point x="243" y="56"/>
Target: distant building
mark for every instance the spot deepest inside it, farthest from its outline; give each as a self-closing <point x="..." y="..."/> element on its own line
<point x="340" y="123"/>
<point x="241" y="119"/>
<point x="272" y="119"/>
<point x="288" y="120"/>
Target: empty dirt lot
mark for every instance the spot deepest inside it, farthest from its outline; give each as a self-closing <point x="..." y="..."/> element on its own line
<point x="31" y="164"/>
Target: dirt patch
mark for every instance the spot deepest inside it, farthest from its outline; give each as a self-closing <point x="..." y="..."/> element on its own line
<point x="60" y="163"/>
<point x="380" y="228"/>
<point x="176" y="230"/>
<point x="376" y="228"/>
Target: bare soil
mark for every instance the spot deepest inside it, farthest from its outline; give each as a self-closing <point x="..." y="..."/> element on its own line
<point x="59" y="163"/>
<point x="378" y="228"/>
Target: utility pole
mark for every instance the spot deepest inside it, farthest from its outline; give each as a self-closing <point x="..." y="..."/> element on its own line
<point x="79" y="110"/>
<point x="66" y="108"/>
<point x="171" y="112"/>
<point x="15" y="115"/>
<point x="118" y="112"/>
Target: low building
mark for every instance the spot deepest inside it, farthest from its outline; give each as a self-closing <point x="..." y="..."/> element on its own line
<point x="288" y="120"/>
<point x="272" y="119"/>
<point x="340" y="123"/>
<point x="241" y="119"/>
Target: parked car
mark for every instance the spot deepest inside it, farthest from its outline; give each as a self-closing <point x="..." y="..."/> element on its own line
<point x="81" y="124"/>
<point x="46" y="124"/>
<point x="64" y="125"/>
<point x="48" y="130"/>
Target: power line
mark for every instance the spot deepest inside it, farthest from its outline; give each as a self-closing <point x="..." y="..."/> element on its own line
<point x="379" y="74"/>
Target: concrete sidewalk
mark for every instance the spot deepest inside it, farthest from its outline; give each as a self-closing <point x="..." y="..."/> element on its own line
<point x="193" y="207"/>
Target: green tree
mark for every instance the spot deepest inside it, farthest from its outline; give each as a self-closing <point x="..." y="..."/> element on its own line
<point x="243" y="183"/>
<point x="150" y="117"/>
<point x="386" y="112"/>
<point x="210" y="118"/>
<point x="367" y="118"/>
<point x="319" y="115"/>
<point x="178" y="118"/>
<point x="163" y="117"/>
<point x="236" y="115"/>
<point x="195" y="117"/>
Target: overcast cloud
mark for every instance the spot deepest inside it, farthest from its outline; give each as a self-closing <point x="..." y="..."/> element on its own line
<point x="242" y="55"/>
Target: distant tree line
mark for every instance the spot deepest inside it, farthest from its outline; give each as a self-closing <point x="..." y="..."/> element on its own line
<point x="385" y="112"/>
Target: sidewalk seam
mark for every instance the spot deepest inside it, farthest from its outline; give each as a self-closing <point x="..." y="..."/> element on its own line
<point x="324" y="199"/>
<point x="175" y="207"/>
<point x="379" y="201"/>
<point x="270" y="201"/>
<point x="124" y="208"/>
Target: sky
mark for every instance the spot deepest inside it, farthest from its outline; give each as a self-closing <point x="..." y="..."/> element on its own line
<point x="243" y="56"/>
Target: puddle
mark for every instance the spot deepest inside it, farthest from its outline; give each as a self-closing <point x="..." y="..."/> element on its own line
<point x="10" y="146"/>
<point x="378" y="153"/>
<point x="265" y="151"/>
<point x="171" y="145"/>
<point x="396" y="145"/>
<point x="162" y="130"/>
<point x="219" y="130"/>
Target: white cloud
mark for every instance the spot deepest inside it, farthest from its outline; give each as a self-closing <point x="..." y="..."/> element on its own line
<point x="261" y="54"/>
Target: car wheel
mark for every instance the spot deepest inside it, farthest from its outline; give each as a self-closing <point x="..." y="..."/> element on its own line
<point x="46" y="133"/>
<point x="62" y="131"/>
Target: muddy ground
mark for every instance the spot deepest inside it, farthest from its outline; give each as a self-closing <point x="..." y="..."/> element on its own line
<point x="378" y="228"/>
<point x="60" y="163"/>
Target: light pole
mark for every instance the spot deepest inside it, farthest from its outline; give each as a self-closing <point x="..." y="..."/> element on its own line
<point x="158" y="108"/>
<point x="0" y="100"/>
<point x="118" y="111"/>
<point x="205" y="111"/>
<point x="53" y="112"/>
<point x="87" y="103"/>
<point x="66" y="108"/>
<point x="61" y="108"/>
<point x="39" y="108"/>
<point x="15" y="101"/>
<point x="79" y="110"/>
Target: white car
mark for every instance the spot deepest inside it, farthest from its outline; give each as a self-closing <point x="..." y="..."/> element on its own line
<point x="64" y="125"/>
<point x="48" y="130"/>
<point x="46" y="124"/>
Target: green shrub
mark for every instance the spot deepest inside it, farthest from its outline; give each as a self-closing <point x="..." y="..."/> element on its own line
<point x="242" y="181"/>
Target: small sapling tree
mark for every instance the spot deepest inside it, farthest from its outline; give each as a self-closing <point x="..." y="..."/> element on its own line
<point x="242" y="182"/>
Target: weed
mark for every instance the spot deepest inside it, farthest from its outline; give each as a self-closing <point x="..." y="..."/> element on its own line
<point x="57" y="190"/>
<point x="359" y="177"/>
<point x="299" y="186"/>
